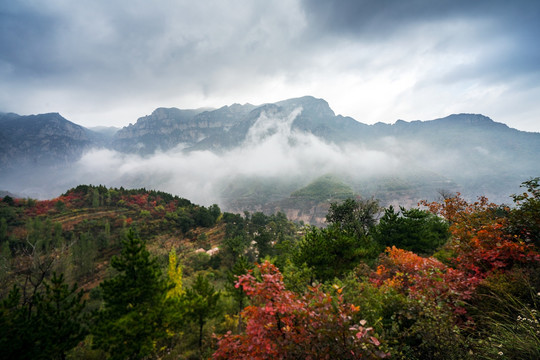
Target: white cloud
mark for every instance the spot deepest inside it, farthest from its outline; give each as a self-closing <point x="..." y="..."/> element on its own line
<point x="272" y="150"/>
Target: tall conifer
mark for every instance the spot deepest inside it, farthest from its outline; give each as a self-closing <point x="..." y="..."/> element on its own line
<point x="133" y="319"/>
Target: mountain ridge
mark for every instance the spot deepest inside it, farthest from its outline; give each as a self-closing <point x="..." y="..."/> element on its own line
<point x="43" y="138"/>
<point x="470" y="153"/>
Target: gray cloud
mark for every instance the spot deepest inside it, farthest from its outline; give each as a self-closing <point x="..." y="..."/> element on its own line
<point x="380" y="19"/>
<point x="500" y="34"/>
<point x="105" y="62"/>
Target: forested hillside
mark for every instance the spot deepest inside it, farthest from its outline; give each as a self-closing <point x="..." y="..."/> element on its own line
<point x="140" y="274"/>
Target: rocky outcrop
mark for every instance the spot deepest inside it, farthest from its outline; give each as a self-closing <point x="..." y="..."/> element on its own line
<point x="167" y="128"/>
<point x="227" y="127"/>
<point x="42" y="139"/>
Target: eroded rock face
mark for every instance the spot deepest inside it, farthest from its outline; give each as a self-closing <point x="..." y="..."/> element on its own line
<point x="167" y="128"/>
<point x="227" y="127"/>
<point x="42" y="139"/>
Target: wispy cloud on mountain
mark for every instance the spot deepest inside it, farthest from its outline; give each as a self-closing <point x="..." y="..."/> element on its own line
<point x="268" y="152"/>
<point x="272" y="149"/>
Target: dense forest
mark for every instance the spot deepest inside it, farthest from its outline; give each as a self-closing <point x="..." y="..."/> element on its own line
<point x="114" y="273"/>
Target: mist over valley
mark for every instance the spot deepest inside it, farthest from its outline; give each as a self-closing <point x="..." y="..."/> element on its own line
<point x="294" y="156"/>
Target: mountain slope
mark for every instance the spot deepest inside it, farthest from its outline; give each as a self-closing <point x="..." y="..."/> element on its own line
<point x="226" y="128"/>
<point x="249" y="156"/>
<point x="45" y="139"/>
<point x="167" y="128"/>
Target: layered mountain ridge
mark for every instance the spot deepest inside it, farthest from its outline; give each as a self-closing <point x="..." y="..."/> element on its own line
<point x="470" y="153"/>
<point x="225" y="128"/>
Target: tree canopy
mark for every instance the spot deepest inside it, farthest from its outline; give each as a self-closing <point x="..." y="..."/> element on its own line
<point x="134" y="314"/>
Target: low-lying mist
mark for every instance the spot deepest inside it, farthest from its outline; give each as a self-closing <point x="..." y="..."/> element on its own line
<point x="273" y="150"/>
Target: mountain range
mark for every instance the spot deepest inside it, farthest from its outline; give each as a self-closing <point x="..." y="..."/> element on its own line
<point x="403" y="161"/>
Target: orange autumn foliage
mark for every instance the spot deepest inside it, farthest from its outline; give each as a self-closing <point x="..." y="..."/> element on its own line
<point x="423" y="278"/>
<point x="481" y="242"/>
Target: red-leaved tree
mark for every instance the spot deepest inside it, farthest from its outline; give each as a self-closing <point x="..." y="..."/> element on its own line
<point x="424" y="278"/>
<point x="481" y="241"/>
<point x="284" y="325"/>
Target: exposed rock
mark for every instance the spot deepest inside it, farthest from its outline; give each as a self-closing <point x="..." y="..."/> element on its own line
<point x="165" y="128"/>
<point x="42" y="139"/>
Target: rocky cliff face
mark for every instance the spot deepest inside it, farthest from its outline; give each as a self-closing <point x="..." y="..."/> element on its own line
<point x="42" y="139"/>
<point x="227" y="127"/>
<point x="167" y="128"/>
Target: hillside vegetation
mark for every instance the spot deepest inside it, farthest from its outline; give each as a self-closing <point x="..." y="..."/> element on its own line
<point x="140" y="274"/>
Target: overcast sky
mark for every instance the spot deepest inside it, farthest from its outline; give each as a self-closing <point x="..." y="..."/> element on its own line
<point x="106" y="62"/>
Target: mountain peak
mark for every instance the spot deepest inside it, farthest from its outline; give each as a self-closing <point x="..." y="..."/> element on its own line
<point x="467" y="117"/>
<point x="42" y="139"/>
<point x="454" y="120"/>
<point x="313" y="105"/>
<point x="472" y="120"/>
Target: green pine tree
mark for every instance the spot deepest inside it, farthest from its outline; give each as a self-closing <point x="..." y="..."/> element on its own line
<point x="134" y="317"/>
<point x="45" y="326"/>
<point x="241" y="267"/>
<point x="202" y="301"/>
<point x="60" y="318"/>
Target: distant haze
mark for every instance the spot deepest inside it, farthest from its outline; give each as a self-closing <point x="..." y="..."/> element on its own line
<point x="284" y="147"/>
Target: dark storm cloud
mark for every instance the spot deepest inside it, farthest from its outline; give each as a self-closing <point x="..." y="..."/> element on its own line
<point x="373" y="18"/>
<point x="23" y="51"/>
<point x="113" y="61"/>
<point x="513" y="26"/>
<point x="97" y="39"/>
<point x="141" y="50"/>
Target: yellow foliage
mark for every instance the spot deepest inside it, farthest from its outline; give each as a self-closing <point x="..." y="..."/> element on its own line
<point x="174" y="273"/>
